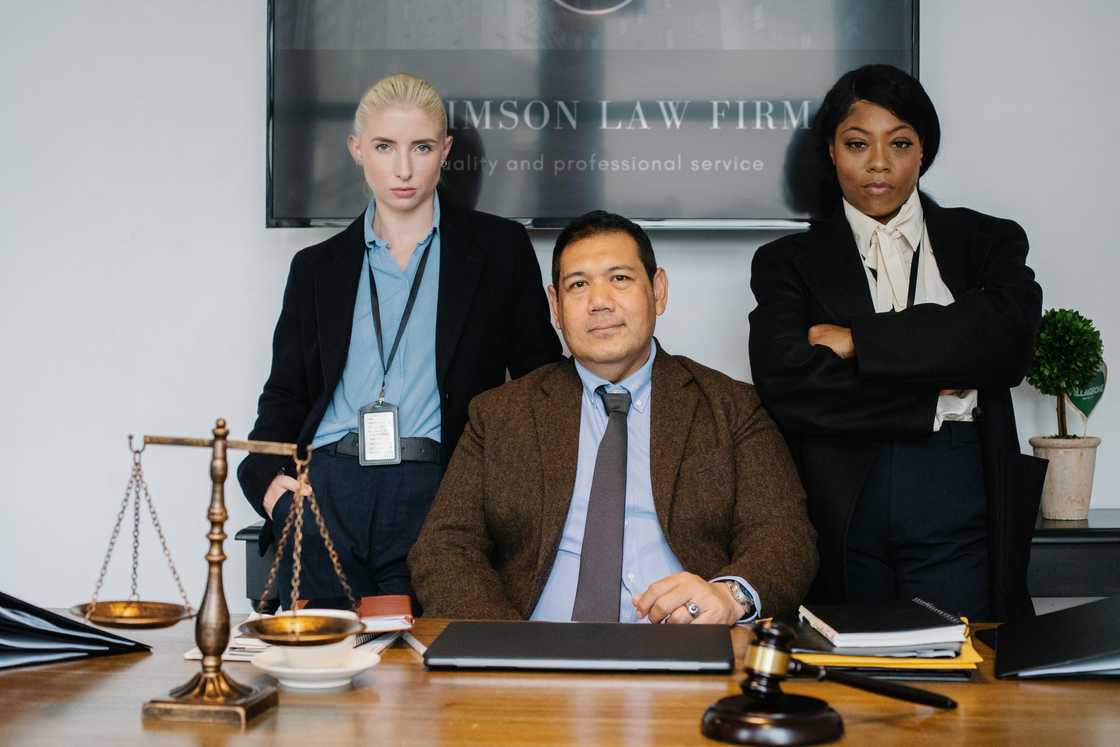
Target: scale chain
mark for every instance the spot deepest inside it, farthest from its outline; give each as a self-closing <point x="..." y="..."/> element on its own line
<point x="271" y="582"/>
<point x="142" y="483"/>
<point x="136" y="490"/>
<point x="297" y="546"/>
<point x="294" y="522"/>
<point x="332" y="553"/>
<point x="112" y="544"/>
<point x="134" y="482"/>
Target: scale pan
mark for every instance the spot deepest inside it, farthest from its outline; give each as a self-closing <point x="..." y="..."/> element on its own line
<point x="302" y="629"/>
<point x="134" y="614"/>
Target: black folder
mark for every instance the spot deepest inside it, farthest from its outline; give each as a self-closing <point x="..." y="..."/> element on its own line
<point x="1082" y="641"/>
<point x="614" y="647"/>
<point x="32" y="635"/>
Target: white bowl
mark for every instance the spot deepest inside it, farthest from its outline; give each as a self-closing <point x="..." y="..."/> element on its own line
<point x="357" y="661"/>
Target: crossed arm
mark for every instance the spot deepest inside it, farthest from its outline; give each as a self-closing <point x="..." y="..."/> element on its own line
<point x="880" y="376"/>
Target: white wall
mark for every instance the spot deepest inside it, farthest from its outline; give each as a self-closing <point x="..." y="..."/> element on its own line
<point x="140" y="286"/>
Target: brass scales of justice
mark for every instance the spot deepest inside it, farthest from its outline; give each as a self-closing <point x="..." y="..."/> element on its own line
<point x="212" y="695"/>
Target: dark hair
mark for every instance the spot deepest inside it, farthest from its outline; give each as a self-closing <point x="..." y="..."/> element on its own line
<point x="891" y="89"/>
<point x="598" y="222"/>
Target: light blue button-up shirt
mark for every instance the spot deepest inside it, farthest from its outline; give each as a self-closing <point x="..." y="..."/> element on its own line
<point x="411" y="384"/>
<point x="646" y="556"/>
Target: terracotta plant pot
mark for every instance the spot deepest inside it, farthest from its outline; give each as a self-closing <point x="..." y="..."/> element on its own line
<point x="1069" y="478"/>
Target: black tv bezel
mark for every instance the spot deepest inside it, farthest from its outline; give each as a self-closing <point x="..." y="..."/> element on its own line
<point x="700" y="224"/>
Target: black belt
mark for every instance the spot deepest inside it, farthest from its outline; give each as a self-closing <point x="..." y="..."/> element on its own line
<point x="412" y="449"/>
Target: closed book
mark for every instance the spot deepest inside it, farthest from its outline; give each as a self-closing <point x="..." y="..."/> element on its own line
<point x="1082" y="641"/>
<point x="913" y="623"/>
<point x="383" y="613"/>
<point x="386" y="612"/>
<point x="809" y="641"/>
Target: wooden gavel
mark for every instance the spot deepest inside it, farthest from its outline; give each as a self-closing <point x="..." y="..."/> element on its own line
<point x="769" y="661"/>
<point x="764" y="714"/>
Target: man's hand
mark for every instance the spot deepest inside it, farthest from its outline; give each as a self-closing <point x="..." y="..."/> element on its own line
<point x="281" y="484"/>
<point x="839" y="339"/>
<point x="667" y="599"/>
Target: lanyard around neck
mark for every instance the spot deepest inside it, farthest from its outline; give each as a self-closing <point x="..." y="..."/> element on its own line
<point x="910" y="294"/>
<point x="913" y="276"/>
<point x="375" y="307"/>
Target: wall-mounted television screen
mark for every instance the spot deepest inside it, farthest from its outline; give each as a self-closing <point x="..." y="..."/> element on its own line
<point x="675" y="113"/>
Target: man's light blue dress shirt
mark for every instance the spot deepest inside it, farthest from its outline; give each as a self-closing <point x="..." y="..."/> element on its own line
<point x="646" y="556"/>
<point x="411" y="384"/>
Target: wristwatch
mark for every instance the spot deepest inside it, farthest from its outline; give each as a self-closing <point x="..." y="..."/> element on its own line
<point x="739" y="594"/>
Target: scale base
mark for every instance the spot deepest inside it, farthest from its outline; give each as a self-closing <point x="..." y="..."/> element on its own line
<point x="213" y="698"/>
<point x="784" y="719"/>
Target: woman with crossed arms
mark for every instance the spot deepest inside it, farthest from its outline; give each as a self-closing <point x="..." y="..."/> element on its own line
<point x="884" y="344"/>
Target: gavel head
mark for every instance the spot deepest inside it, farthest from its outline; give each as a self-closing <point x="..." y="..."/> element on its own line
<point x="768" y="659"/>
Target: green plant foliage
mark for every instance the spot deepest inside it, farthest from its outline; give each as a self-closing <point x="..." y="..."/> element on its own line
<point x="1067" y="353"/>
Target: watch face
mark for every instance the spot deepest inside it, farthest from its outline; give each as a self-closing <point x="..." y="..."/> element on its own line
<point x="740" y="596"/>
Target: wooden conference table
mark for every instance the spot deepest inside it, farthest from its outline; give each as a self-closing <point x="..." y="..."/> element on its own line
<point x="97" y="701"/>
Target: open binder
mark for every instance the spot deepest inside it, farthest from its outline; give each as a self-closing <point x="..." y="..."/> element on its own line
<point x="31" y="635"/>
<point x="1082" y="641"/>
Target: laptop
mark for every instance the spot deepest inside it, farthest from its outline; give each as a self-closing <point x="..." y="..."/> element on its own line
<point x="606" y="647"/>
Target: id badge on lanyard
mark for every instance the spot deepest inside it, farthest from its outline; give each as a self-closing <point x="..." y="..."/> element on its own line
<point x="379" y="432"/>
<point x="379" y="435"/>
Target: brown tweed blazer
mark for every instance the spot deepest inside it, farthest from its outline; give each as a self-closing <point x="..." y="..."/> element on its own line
<point x="725" y="489"/>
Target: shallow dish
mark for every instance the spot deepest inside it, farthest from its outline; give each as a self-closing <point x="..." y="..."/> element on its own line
<point x="132" y="613"/>
<point x="305" y="628"/>
<point x="271" y="661"/>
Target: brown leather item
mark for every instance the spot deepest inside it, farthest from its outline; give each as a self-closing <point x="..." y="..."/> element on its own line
<point x="724" y="487"/>
<point x="384" y="605"/>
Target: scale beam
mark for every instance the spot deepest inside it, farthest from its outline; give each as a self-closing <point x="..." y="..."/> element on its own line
<point x="256" y="447"/>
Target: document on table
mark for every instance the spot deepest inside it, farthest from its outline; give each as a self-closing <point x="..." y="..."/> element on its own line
<point x="243" y="648"/>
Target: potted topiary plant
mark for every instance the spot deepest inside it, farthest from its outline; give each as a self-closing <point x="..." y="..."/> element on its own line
<point x="1067" y="355"/>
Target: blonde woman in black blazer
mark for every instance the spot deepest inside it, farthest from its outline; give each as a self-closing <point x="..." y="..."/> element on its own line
<point x="884" y="344"/>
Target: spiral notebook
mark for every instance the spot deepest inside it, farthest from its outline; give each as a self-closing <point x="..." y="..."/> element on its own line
<point x="912" y="623"/>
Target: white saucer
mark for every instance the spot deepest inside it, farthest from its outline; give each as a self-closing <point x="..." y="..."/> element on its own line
<point x="359" y="660"/>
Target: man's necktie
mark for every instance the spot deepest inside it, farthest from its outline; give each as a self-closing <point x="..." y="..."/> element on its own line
<point x="600" y="565"/>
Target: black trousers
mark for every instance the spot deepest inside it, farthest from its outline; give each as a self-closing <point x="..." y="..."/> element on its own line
<point x="373" y="516"/>
<point x="919" y="528"/>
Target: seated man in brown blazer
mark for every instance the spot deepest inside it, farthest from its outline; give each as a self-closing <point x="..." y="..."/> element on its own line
<point x="622" y="484"/>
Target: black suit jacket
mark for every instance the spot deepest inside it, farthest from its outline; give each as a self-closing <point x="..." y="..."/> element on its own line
<point x="837" y="413"/>
<point x="491" y="317"/>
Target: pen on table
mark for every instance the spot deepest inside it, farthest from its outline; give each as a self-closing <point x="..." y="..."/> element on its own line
<point x="414" y="644"/>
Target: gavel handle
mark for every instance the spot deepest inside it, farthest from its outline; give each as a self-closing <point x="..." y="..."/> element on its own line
<point x="879" y="687"/>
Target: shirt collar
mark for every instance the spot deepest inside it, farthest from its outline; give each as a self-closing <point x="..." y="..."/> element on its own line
<point x="864" y="226"/>
<point x="373" y="241"/>
<point x="637" y="383"/>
